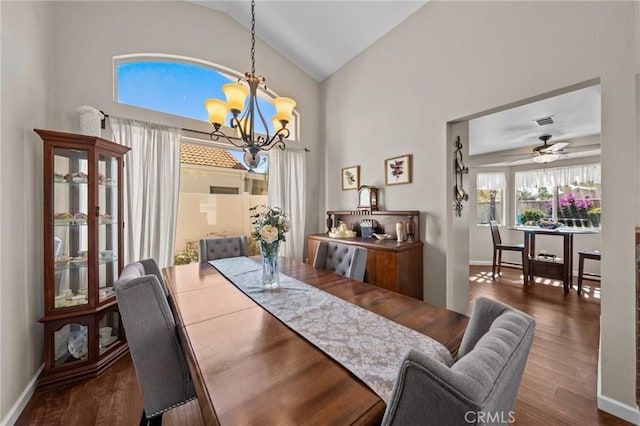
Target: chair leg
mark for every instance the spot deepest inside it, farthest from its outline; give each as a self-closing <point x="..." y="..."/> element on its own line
<point x="499" y="262"/>
<point x="580" y="272"/>
<point x="493" y="269"/>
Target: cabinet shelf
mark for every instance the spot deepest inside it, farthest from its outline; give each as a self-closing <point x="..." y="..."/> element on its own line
<point x="82" y="256"/>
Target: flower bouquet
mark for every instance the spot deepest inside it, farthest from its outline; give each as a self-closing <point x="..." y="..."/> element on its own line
<point x="269" y="229"/>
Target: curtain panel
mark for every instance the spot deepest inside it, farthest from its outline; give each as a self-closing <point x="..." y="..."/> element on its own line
<point x="489" y="181"/>
<point x="559" y="176"/>
<point x="287" y="183"/>
<point x="151" y="188"/>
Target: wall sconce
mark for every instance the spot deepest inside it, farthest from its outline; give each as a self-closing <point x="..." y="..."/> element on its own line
<point x="459" y="194"/>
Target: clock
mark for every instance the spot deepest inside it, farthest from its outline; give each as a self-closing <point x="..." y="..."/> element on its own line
<point x="368" y="197"/>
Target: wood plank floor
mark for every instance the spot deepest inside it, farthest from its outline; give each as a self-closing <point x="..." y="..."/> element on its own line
<point x="558" y="387"/>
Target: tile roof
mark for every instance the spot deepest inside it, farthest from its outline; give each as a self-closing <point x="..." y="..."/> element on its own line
<point x="201" y="155"/>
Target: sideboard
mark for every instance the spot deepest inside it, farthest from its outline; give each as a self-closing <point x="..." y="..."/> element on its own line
<point x="391" y="264"/>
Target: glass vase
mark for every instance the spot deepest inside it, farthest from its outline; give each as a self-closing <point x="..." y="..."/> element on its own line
<point x="270" y="278"/>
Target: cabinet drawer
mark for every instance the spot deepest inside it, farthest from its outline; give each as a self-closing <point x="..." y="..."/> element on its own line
<point x="546" y="269"/>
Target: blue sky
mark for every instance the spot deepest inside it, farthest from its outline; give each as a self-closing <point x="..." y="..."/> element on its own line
<point x="178" y="89"/>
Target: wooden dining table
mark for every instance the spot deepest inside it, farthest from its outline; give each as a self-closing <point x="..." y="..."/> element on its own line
<point x="249" y="368"/>
<point x="550" y="268"/>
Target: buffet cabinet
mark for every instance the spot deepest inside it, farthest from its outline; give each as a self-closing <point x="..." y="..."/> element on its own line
<point x="391" y="264"/>
<point x="82" y="240"/>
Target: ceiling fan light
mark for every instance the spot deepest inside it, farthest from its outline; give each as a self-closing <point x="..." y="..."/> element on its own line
<point x="546" y="158"/>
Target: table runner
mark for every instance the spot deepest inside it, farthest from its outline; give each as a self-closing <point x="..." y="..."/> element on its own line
<point x="368" y="345"/>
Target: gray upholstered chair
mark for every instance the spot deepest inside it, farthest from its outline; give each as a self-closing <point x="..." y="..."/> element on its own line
<point x="343" y="259"/>
<point x="220" y="248"/>
<point x="153" y="340"/>
<point x="480" y="387"/>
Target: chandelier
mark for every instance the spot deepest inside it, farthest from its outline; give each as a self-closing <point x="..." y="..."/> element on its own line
<point x="244" y="123"/>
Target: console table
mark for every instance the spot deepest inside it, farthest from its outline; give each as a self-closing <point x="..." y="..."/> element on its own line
<point x="392" y="265"/>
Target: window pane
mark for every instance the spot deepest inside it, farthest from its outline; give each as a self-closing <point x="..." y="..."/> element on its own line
<point x="533" y="203"/>
<point x="490" y="206"/>
<point x="579" y="205"/>
<point x="178" y="89"/>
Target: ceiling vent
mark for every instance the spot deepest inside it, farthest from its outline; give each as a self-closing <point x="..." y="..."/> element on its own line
<point x="545" y="121"/>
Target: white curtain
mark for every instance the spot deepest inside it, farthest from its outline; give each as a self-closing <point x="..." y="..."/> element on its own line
<point x="151" y="188"/>
<point x="287" y="182"/>
<point x="489" y="181"/>
<point x="559" y="176"/>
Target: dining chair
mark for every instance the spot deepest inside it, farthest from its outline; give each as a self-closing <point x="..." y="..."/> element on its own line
<point x="158" y="358"/>
<point x="343" y="259"/>
<point x="220" y="248"/>
<point x="582" y="255"/>
<point x="480" y="387"/>
<point x="499" y="247"/>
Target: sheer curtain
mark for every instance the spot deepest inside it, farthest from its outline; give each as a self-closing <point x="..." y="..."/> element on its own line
<point x="151" y="189"/>
<point x="287" y="182"/>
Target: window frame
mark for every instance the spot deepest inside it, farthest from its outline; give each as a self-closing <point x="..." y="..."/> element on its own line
<point x="265" y="94"/>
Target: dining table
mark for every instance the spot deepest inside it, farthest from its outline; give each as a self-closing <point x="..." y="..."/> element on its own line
<point x="249" y="368"/>
<point x="559" y="268"/>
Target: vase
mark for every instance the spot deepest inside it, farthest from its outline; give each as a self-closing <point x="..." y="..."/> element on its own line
<point x="269" y="252"/>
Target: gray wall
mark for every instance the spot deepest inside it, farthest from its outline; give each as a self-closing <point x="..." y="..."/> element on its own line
<point x="451" y="60"/>
<point x="26" y="104"/>
<point x="57" y="56"/>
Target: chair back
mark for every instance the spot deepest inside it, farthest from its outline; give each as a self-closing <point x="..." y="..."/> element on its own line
<point x="220" y="248"/>
<point x="495" y="233"/>
<point x="152" y="336"/>
<point x="484" y="380"/>
<point x="343" y="259"/>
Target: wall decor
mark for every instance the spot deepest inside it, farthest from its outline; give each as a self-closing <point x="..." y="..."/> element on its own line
<point x="350" y="178"/>
<point x="397" y="170"/>
<point x="459" y="194"/>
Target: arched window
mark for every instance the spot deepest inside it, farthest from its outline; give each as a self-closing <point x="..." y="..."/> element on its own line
<point x="179" y="86"/>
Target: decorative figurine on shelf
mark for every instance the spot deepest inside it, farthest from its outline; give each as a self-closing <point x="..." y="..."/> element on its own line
<point x="400" y="231"/>
<point x="410" y="229"/>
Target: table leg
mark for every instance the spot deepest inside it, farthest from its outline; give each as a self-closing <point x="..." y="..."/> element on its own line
<point x="567" y="243"/>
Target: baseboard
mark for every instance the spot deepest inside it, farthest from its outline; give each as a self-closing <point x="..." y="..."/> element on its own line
<point x="610" y="405"/>
<point x="12" y="416"/>
<point x="615" y="408"/>
<point x="480" y="263"/>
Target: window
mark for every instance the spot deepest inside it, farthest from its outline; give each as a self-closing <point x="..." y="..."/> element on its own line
<point x="570" y="195"/>
<point x="180" y="86"/>
<point x="490" y="202"/>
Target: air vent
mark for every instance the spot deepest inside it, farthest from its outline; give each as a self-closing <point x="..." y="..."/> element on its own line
<point x="545" y="121"/>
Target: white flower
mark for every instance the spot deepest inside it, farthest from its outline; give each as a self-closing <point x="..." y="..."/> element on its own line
<point x="269" y="233"/>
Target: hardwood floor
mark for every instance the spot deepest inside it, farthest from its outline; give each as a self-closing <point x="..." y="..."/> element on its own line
<point x="558" y="386"/>
<point x="560" y="380"/>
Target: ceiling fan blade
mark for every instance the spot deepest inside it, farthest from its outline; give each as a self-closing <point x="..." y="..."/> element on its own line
<point x="556" y="147"/>
<point x="582" y="147"/>
<point x="516" y="155"/>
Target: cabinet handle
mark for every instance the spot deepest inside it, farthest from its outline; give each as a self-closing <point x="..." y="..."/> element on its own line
<point x="97" y="211"/>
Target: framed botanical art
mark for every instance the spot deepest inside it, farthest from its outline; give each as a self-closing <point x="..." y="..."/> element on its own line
<point x="350" y="178"/>
<point x="397" y="170"/>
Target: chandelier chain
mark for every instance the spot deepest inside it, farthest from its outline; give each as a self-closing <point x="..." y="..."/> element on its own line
<point x="253" y="37"/>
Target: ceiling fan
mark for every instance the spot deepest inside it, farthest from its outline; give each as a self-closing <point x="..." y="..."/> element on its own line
<point x="548" y="152"/>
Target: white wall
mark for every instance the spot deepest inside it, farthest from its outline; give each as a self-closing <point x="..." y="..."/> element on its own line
<point x="26" y="100"/>
<point x="453" y="59"/>
<point x="63" y="51"/>
<point x="89" y="34"/>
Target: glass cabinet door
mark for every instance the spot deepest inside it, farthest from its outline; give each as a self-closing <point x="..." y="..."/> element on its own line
<point x="107" y="225"/>
<point x="70" y="207"/>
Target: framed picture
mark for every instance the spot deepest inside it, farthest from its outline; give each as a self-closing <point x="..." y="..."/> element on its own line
<point x="397" y="170"/>
<point x="350" y="178"/>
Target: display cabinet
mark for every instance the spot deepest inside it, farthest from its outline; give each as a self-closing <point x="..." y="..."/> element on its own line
<point x="83" y="223"/>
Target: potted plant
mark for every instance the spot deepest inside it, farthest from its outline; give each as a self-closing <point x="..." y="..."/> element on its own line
<point x="594" y="216"/>
<point x="531" y="216"/>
